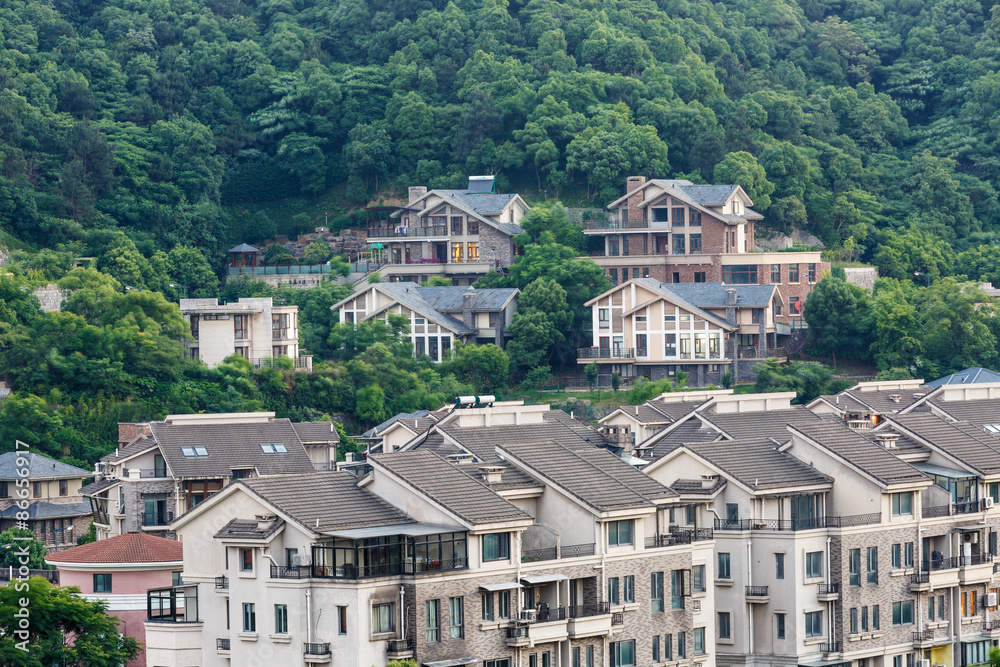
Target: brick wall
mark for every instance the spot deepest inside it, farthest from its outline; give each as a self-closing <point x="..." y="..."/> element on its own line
<point x="489" y="236"/>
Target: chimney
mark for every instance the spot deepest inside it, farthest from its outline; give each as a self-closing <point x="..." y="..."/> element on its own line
<point x="265" y="521"/>
<point x="619" y="437"/>
<point x="468" y="303"/>
<point x="731" y="305"/>
<point x="492" y="474"/>
<point x="708" y="481"/>
<point x="633" y="212"/>
<point x="887" y="440"/>
<point x="416" y="192"/>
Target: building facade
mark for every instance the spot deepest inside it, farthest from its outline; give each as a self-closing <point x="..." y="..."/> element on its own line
<point x="57" y="511"/>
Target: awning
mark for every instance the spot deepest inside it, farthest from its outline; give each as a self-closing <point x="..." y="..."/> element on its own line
<point x="454" y="662"/>
<point x="505" y="586"/>
<point x="409" y="529"/>
<point x="951" y="473"/>
<point x="543" y="579"/>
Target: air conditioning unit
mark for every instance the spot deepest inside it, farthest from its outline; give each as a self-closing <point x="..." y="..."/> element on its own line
<point x="925" y="663"/>
<point x="991" y="599"/>
<point x="696" y="605"/>
<point x="988" y="502"/>
<point x="972" y="537"/>
<point x="302" y="560"/>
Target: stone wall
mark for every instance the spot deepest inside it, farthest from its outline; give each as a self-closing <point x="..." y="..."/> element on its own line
<point x="50" y="297"/>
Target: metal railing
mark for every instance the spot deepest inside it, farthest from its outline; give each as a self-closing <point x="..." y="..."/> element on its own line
<point x="399" y="646"/>
<point x="314" y="648"/>
<point x="406" y="232"/>
<point x="935" y="511"/>
<point x="679" y="537"/>
<point x="831" y="647"/>
<point x="991" y="625"/>
<point x="756" y="591"/>
<point x="605" y="353"/>
<point x="585" y="610"/>
<point x="517" y="631"/>
<point x="618" y="618"/>
<point x="51" y="575"/>
<point x="293" y="572"/>
<point x="222" y="644"/>
<point x="577" y="550"/>
<point x="966" y="507"/>
<point x="829" y="589"/>
<point x="302" y="361"/>
<point x="157" y="518"/>
<point x="549" y="614"/>
<point x="923" y="636"/>
<point x="799" y="524"/>
<point x="388" y="569"/>
<point x="619" y="224"/>
<point x="758" y="352"/>
<point x="278" y="270"/>
<point x="153" y="473"/>
<point x="920" y="578"/>
<point x="961" y="507"/>
<point x="221" y="583"/>
<point x="531" y="555"/>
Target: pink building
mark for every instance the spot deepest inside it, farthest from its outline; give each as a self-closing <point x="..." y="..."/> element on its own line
<point x="120" y="570"/>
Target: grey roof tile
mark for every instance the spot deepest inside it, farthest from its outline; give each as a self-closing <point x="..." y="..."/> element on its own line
<point x="97" y="487"/>
<point x="749" y="425"/>
<point x="838" y="438"/>
<point x="333" y="499"/>
<point x="968" y="376"/>
<point x="691" y="430"/>
<point x="713" y="295"/>
<point x="757" y="463"/>
<point x="43" y="509"/>
<point x="708" y="195"/>
<point x="442" y="481"/>
<point x="690" y="487"/>
<point x="979" y="412"/>
<point x="450" y="299"/>
<point x="667" y="291"/>
<point x="248" y="529"/>
<point x="964" y="441"/>
<point x="39" y="467"/>
<point x="316" y="431"/>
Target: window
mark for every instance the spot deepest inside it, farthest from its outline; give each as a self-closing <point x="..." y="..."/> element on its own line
<point x="897" y="661"/>
<point x="456" y="616"/>
<point x="676" y="277"/>
<point x="875" y="618"/>
<point x="814" y="564"/>
<point x="668" y="647"/>
<point x="496" y="546"/>
<point x="930" y="608"/>
<point x="732" y="512"/>
<point x="975" y="652"/>
<point x="341" y="620"/>
<point x="656" y="648"/>
<point x="623" y="653"/>
<point x="382" y="617"/>
<point x="576" y="657"/>
<point x="280" y="619"/>
<point x="102" y="583"/>
<point x="677" y="216"/>
<point x="814" y="624"/>
<point x="629" y="591"/>
<point x="694" y="218"/>
<point x="620" y="533"/>
<point x="779" y="566"/>
<point x="487" y="601"/>
<point x="793" y="273"/>
<point x="695" y="243"/>
<point x="420" y="346"/>
<point x="780" y="625"/>
<point x="274" y="448"/>
<point x="700" y="277"/>
<point x="240" y="327"/>
<point x="63" y="487"/>
<point x="740" y="274"/>
<point x="776" y="274"/>
<point x="681" y="645"/>
<point x="699" y="641"/>
<point x="494" y="318"/>
<point x="854" y="620"/>
<point x="670" y="345"/>
<point x="678" y="245"/>
<point x="755" y="315"/>
<point x="604" y="318"/>
<point x="645" y="272"/>
<point x="472" y="249"/>
<point x="872" y="565"/>
<point x="641" y="345"/>
<point x="503" y="604"/>
<point x="613" y="590"/>
<point x="36" y="489"/>
<point x="176" y="579"/>
<point x="195" y="321"/>
<point x="678" y="589"/>
<point x="456" y="252"/>
<point x="794" y="305"/>
<point x="811" y="272"/>
<point x="661" y="215"/>
<point x="279" y="325"/>
<point x="698" y="578"/>
<point x="246" y="560"/>
<point x="433" y="633"/>
<point x="897" y="555"/>
<point x="725" y="625"/>
<point x="472" y="227"/>
<point x="902" y="613"/>
<point x="864" y="619"/>
<point x="456" y="225"/>
<point x="902" y="503"/>
<point x="194" y="451"/>
<point x="656" y="590"/>
<point x="854" y="566"/>
<point x="249" y="617"/>
<point x="723" y="570"/>
<point x="502" y="662"/>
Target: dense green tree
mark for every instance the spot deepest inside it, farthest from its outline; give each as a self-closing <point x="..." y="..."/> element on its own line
<point x="18" y="547"/>
<point x="742" y="168"/>
<point x="838" y="315"/>
<point x="485" y="367"/>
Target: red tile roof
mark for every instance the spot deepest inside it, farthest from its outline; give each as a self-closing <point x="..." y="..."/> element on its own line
<point x="127" y="548"/>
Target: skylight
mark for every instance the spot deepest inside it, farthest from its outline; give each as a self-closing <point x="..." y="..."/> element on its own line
<point x="992" y="428"/>
<point x="193" y="452"/>
<point x="274" y="448"/>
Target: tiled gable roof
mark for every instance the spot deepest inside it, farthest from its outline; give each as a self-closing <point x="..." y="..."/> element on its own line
<point x="125" y="548"/>
<point x="757" y="463"/>
<point x="966" y="442"/>
<point x="860" y="452"/>
<point x="708" y="195"/>
<point x="973" y="375"/>
<point x="667" y="292"/>
<point x="39" y="467"/>
<point x="442" y="481"/>
<point x="248" y="529"/>
<point x="713" y="295"/>
<point x="691" y="430"/>
<point x="43" y="509"/>
<point x="450" y="299"/>
<point x="978" y="412"/>
<point x="316" y="431"/>
<point x="749" y="425"/>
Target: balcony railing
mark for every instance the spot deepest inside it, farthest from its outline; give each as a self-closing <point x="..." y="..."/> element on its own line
<point x="935" y="511"/>
<point x="577" y="550"/>
<point x="301" y="361"/>
<point x="758" y="352"/>
<point x="757" y="591"/>
<point x="282" y="572"/>
<point x="153" y="473"/>
<point x="920" y="578"/>
<point x="585" y="610"/>
<point x="222" y="644"/>
<point x="388" y="569"/>
<point x="157" y="518"/>
<point x="829" y="589"/>
<point x="966" y="507"/>
<point x="51" y="575"/>
<point x="399" y="645"/>
<point x="606" y="353"/>
<point x="618" y="618"/>
<point x="618" y="224"/>
<point x="923" y="636"/>
<point x="991" y="625"/>
<point x="799" y="524"/>
<point x="962" y="507"/>
<point x="676" y="536"/>
<point x="548" y="614"/>
<point x="531" y="555"/>
<point x="221" y="583"/>
<point x="550" y="553"/>
<point x="831" y="647"/>
<point x="406" y="232"/>
<point x="314" y="648"/>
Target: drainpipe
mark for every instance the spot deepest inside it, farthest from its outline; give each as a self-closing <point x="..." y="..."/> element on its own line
<point x="829" y="607"/>
<point x="402" y="619"/>
<point x="749" y="606"/>
<point x="308" y="617"/>
<point x="520" y="591"/>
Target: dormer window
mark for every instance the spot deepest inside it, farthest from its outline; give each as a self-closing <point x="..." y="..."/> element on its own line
<point x="274" y="448"/>
<point x="736" y="206"/>
<point x="194" y="452"/>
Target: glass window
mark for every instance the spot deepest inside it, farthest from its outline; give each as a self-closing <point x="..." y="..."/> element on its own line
<point x="656" y="648"/>
<point x="102" y="583"/>
<point x="472" y="227"/>
<point x="239" y="327"/>
<point x="902" y="503"/>
<point x="864" y="619"/>
<point x="725" y="625"/>
<point x="63" y="487"/>
<point x="681" y="645"/>
<point x="897" y="555"/>
<point x="732" y="512"/>
<point x="814" y="624"/>
<point x="779" y="566"/>
<point x="456" y="225"/>
<point x="473" y="249"/>
<point x="496" y="546"/>
<point x="487" y="602"/>
<point x="456" y="252"/>
<point x="280" y="619"/>
<point x="620" y="533"/>
<point x="623" y="653"/>
<point x="503" y="604"/>
<point x="249" y="617"/>
<point x="246" y="560"/>
<point x="677" y="589"/>
<point x="698" y="578"/>
<point x="695" y="240"/>
<point x="872" y="565"/>
<point x="793" y="273"/>
<point x="699" y="641"/>
<point x="668" y="647"/>
<point x="776" y="274"/>
<point x="694" y="218"/>
<point x="854" y="566"/>
<point x="723" y="571"/>
<point x="433" y="632"/>
<point x="812" y="272"/>
<point x="661" y="215"/>
<point x="854" y="620"/>
<point x="629" y="592"/>
<point x="875" y="619"/>
<point x="382" y="617"/>
<point x="814" y="564"/>
<point x="678" y="244"/>
<point x="780" y="625"/>
<point x="740" y="274"/>
<point x="677" y="215"/>
<point x="341" y="620"/>
<point x="656" y="590"/>
<point x="908" y="554"/>
<point x="700" y="277"/>
<point x="456" y="616"/>
<point x="613" y="590"/>
<point x="902" y="613"/>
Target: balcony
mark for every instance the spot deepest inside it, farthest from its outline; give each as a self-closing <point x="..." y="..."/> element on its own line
<point x="152" y="473"/>
<point x="757" y="594"/>
<point x="281" y="572"/>
<point x="923" y="639"/>
<point x="591" y="225"/>
<point x="160" y="519"/>
<point x="831" y="648"/>
<point x="758" y="352"/>
<point x="975" y="569"/>
<point x="962" y="507"/>
<point x="315" y="652"/>
<point x="606" y="353"/>
<point x="303" y="361"/>
<point x="538" y="627"/>
<point x="828" y="592"/>
<point x="222" y="645"/>
<point x="399" y="649"/>
<point x="551" y="553"/>
<point x="991" y="628"/>
<point x="920" y="581"/>
<point x="617" y="618"/>
<point x="799" y="524"/>
<point x="679" y="536"/>
<point x="589" y="620"/>
<point x="408" y="567"/>
<point x="173" y="604"/>
<point x="222" y="583"/>
<point x="403" y="231"/>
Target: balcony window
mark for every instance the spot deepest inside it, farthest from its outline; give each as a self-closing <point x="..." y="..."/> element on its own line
<point x="496" y="546"/>
<point x="685" y="346"/>
<point x="902" y="503"/>
<point x="473" y="251"/>
<point x="382" y="617"/>
<point x="613" y="247"/>
<point x="174" y="604"/>
<point x="814" y="624"/>
<point x="620" y="533"/>
<point x="661" y="215"/>
<point x="695" y="243"/>
<point x="641" y="349"/>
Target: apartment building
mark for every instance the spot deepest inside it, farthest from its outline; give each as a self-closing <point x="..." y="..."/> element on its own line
<point x="458" y="234"/>
<point x="254" y="328"/>
<point x="653" y="416"/>
<point x="438" y="317"/>
<point x="544" y="554"/>
<point x="173" y="465"/>
<point x="674" y="231"/>
<point x="646" y="328"/>
<point x="57" y="512"/>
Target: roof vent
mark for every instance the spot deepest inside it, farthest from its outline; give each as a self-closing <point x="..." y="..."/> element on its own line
<point x="265" y="521"/>
<point x="888" y="440"/>
<point x="708" y="481"/>
<point x="895" y="398"/>
<point x="492" y="474"/>
<point x="461" y="458"/>
<point x="919" y="395"/>
<point x="481" y="185"/>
